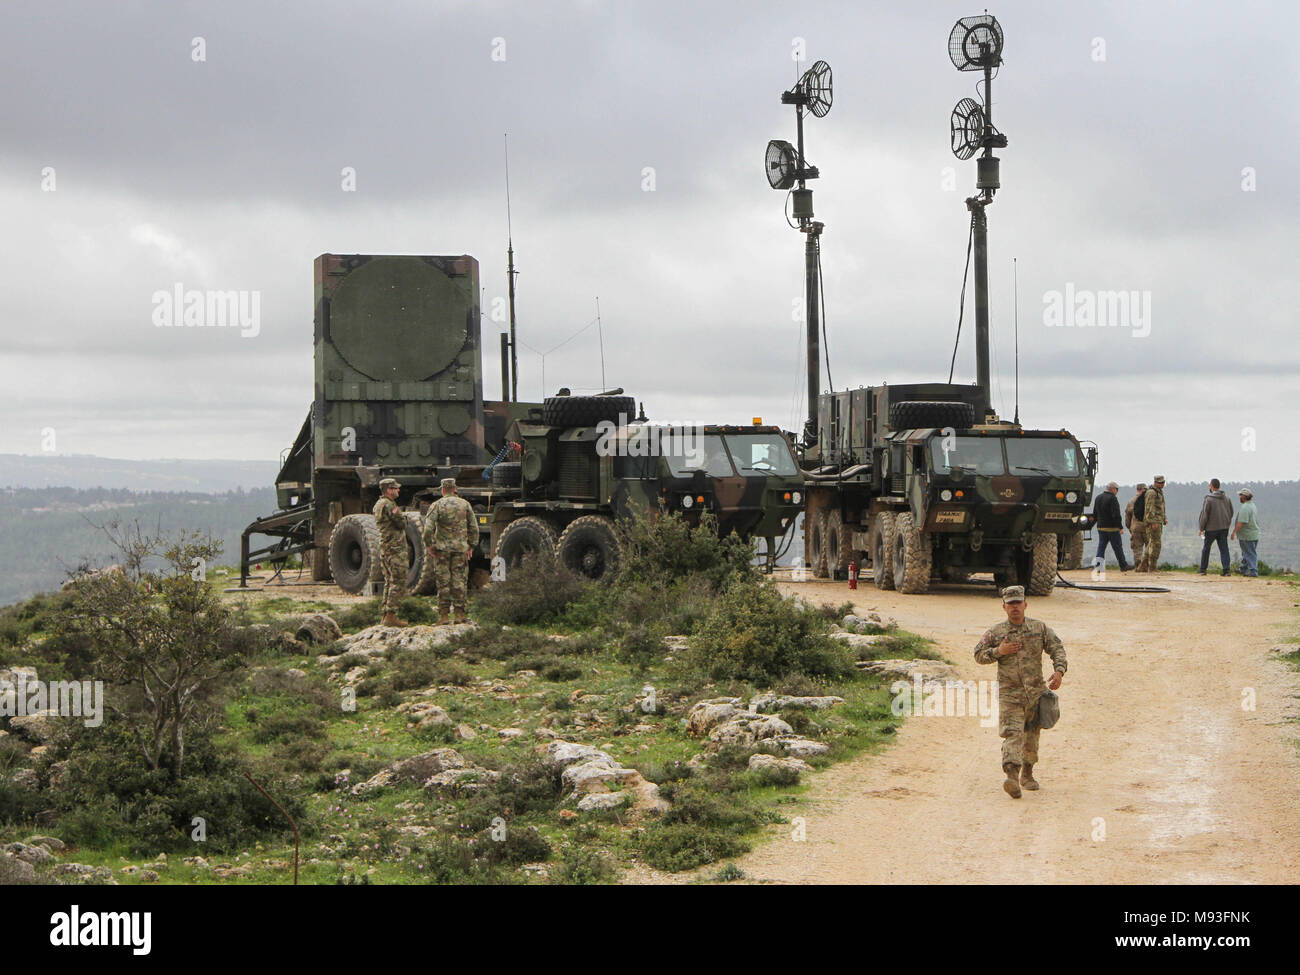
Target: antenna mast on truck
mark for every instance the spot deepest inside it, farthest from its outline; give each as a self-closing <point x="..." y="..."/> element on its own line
<point x="786" y="166"/>
<point x="510" y="278"/>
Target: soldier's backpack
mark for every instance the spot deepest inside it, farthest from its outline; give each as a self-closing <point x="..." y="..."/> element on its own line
<point x="1140" y="507"/>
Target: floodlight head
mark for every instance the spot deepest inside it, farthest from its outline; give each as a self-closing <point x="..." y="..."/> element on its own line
<point x="782" y="164"/>
<point x="976" y="43"/>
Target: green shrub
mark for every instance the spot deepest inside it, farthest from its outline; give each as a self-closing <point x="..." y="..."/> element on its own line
<point x="539" y="591"/>
<point x="756" y="635"/>
<point x="681" y="847"/>
<point x="662" y="548"/>
<point x="582" y="865"/>
<point x="641" y="646"/>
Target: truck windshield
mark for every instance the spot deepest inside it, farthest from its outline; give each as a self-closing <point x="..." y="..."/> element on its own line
<point x="975" y="455"/>
<point x="1057" y="457"/>
<point x="764" y="453"/>
<point x="692" y="451"/>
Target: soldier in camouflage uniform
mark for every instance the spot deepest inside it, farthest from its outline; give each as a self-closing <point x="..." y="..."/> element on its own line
<point x="392" y="549"/>
<point x="1137" y="529"/>
<point x="450" y="533"/>
<point x="1154" y="520"/>
<point x="1017" y="646"/>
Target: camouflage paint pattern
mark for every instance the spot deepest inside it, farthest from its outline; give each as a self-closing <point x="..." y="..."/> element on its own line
<point x="1020" y="682"/>
<point x="1153" y="521"/>
<point x="450" y="529"/>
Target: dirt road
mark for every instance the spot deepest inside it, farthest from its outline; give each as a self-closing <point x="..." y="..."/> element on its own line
<point x="1155" y="773"/>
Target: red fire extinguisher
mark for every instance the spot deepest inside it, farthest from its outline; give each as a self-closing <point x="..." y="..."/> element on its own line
<point x="853" y="575"/>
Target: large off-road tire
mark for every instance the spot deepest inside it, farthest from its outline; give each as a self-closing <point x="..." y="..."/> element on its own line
<point x="525" y="537"/>
<point x="507" y="474"/>
<point x="354" y="552"/>
<point x="839" y="548"/>
<point x="1071" y="550"/>
<point x="882" y="551"/>
<point x="424" y="583"/>
<point x="815" y="534"/>
<point x="586" y="411"/>
<point x="911" y="555"/>
<point x="931" y="413"/>
<point x="589" y="547"/>
<point x="1042" y="569"/>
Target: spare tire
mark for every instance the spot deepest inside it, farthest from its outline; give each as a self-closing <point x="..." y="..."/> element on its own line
<point x="916" y="414"/>
<point x="354" y="552"/>
<point x="525" y="538"/>
<point x="507" y="474"/>
<point x="586" y="411"/>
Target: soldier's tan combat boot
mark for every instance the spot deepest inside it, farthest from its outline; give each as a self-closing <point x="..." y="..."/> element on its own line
<point x="1012" y="784"/>
<point x="390" y="619"/>
<point x="1027" y="777"/>
<point x="462" y="617"/>
<point x="444" y="617"/>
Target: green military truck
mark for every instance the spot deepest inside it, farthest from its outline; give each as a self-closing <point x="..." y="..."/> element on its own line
<point x="924" y="483"/>
<point x="399" y="393"/>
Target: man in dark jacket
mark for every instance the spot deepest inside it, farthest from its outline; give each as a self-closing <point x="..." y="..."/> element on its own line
<point x="1216" y="519"/>
<point x="1110" y="527"/>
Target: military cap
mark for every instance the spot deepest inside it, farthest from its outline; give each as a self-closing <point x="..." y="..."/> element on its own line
<point x="1160" y="479"/>
<point x="388" y="482"/>
<point x="1245" y="493"/>
<point x="1013" y="594"/>
<point x="1141" y="487"/>
<point x="449" y="484"/>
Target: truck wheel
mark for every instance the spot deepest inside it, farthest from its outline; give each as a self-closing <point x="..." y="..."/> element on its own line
<point x="507" y="474"/>
<point x="815" y="535"/>
<point x="839" y="553"/>
<point x="525" y="537"/>
<point x="354" y="552"/>
<point x="419" y="581"/>
<point x="1042" y="569"/>
<point x="882" y="551"/>
<point x="589" y="547"/>
<point x="586" y="411"/>
<point x="1071" y="549"/>
<point x="911" y="555"/>
<point x="931" y="413"/>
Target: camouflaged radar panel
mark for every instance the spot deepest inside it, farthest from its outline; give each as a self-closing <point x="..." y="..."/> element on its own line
<point x="398" y="378"/>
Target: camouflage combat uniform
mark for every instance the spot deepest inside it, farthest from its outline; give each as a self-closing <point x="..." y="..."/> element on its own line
<point x="451" y="528"/>
<point x="392" y="551"/>
<point x="1138" y="536"/>
<point x="1154" y="523"/>
<point x="1020" y="682"/>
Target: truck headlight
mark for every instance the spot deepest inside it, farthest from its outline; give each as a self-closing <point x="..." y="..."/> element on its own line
<point x="796" y="498"/>
<point x="945" y="495"/>
<point x="688" y="501"/>
<point x="1072" y="497"/>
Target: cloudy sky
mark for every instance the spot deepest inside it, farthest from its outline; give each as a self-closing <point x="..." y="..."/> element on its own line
<point x="1152" y="150"/>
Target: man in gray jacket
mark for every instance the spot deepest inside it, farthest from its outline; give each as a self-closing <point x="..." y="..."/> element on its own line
<point x="1216" y="519"/>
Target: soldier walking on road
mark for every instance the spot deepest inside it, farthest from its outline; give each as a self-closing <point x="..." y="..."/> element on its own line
<point x="392" y="549"/>
<point x="450" y="533"/>
<point x="1154" y="520"/>
<point x="1133" y="522"/>
<point x="1017" y="646"/>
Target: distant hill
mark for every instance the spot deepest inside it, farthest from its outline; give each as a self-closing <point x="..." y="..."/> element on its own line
<point x="44" y="533"/>
<point x="88" y="471"/>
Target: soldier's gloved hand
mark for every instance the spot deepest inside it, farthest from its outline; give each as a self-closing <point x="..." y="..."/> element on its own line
<point x="1054" y="681"/>
<point x="1007" y="648"/>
